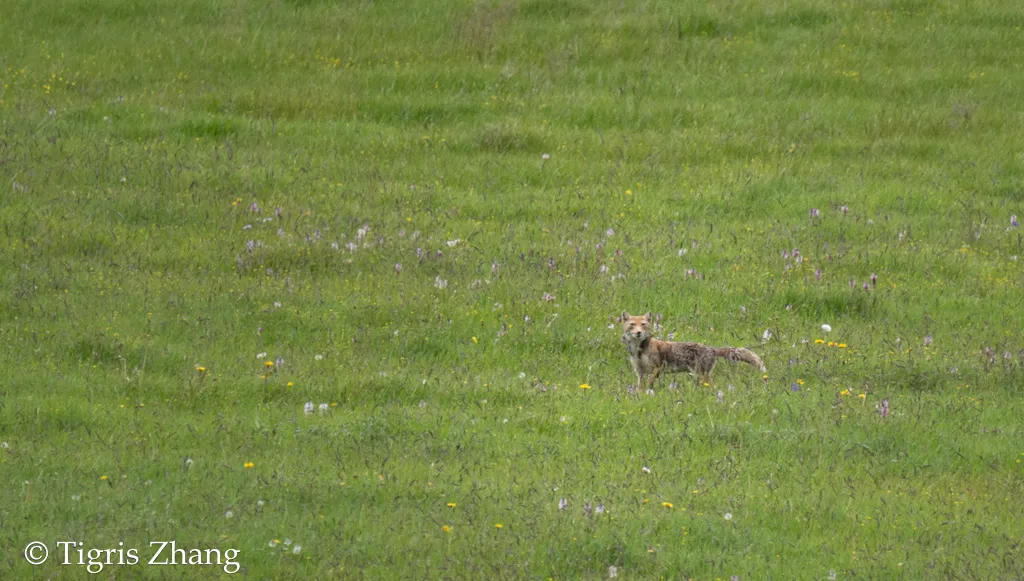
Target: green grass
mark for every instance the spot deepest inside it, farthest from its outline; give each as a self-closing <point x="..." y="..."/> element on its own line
<point x="220" y="184"/>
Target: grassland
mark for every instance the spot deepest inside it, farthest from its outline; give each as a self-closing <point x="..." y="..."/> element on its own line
<point x="426" y="215"/>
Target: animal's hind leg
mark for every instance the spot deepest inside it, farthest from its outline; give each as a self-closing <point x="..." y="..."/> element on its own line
<point x="703" y="373"/>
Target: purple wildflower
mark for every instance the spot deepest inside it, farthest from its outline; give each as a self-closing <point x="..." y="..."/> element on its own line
<point x="815" y="213"/>
<point x="927" y="340"/>
<point x="883" y="408"/>
<point x="817" y="274"/>
<point x="874" y="279"/>
<point x="1013" y="221"/>
<point x="398" y="268"/>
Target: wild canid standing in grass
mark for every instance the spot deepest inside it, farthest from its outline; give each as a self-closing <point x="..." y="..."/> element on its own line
<point x="651" y="356"/>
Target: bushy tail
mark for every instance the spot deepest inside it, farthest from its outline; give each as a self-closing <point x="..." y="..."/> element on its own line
<point x="741" y="354"/>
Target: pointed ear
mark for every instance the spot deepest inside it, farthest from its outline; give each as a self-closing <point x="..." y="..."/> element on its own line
<point x="648" y="316"/>
<point x="625" y="317"/>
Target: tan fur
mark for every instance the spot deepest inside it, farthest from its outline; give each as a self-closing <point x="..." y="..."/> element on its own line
<point x="650" y="357"/>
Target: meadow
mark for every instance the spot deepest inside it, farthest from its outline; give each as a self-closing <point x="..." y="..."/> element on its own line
<point x="335" y="285"/>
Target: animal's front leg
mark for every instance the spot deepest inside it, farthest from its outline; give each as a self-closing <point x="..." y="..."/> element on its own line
<point x="654" y="375"/>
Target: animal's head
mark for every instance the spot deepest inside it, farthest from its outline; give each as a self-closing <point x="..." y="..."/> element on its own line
<point x="636" y="328"/>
